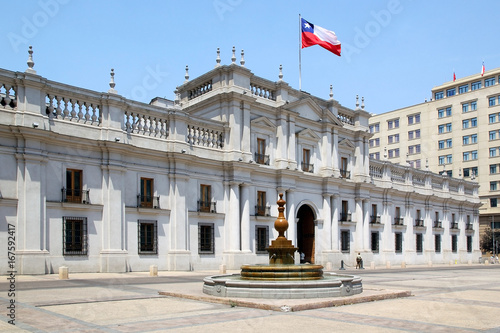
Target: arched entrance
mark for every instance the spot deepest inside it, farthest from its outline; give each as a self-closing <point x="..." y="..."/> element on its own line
<point x="305" y="233"/>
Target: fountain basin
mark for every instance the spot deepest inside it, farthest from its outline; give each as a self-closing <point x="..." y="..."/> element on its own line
<point x="282" y="272"/>
<point x="330" y="285"/>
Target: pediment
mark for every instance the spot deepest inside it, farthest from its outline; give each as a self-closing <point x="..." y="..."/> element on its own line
<point x="263" y="122"/>
<point x="308" y="108"/>
<point x="343" y="142"/>
<point x="309" y="135"/>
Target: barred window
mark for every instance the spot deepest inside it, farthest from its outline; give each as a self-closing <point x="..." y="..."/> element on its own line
<point x="261" y="238"/>
<point x="420" y="242"/>
<point x="345" y="239"/>
<point x="147" y="234"/>
<point x="74" y="235"/>
<point x="454" y="243"/>
<point x="206" y="238"/>
<point x="375" y="242"/>
<point x="398" y="242"/>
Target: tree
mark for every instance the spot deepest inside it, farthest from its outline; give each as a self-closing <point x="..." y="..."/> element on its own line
<point x="487" y="240"/>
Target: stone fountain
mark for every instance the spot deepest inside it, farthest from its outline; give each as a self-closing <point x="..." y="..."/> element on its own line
<point x="281" y="278"/>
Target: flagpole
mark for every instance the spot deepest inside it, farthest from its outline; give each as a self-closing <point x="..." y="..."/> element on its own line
<point x="300" y="53"/>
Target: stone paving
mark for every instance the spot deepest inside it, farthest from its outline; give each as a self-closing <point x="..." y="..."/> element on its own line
<point x="444" y="299"/>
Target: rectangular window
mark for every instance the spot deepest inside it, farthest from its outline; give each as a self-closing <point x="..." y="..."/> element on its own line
<point x="73" y="185"/>
<point x="492" y="118"/>
<point x="420" y="243"/>
<point x="466" y="156"/>
<point x="492" y="101"/>
<point x="261" y="203"/>
<point x="344" y="241"/>
<point x="473" y="106"/>
<point x="417" y="118"/>
<point x="398" y="242"/>
<point x="375" y="128"/>
<point x="448" y="111"/>
<point x="74" y="235"/>
<point x="493" y="202"/>
<point x="489" y="82"/>
<point x="441" y="160"/>
<point x="473" y="155"/>
<point x="440" y="113"/>
<point x="466" y="140"/>
<point x="469" y="244"/>
<point x="262" y="239"/>
<point x="493" y="186"/>
<point x="147" y="232"/>
<point x="206" y="238"/>
<point x="465" y="108"/>
<point x="473" y="138"/>
<point x="441" y="129"/>
<point x="306" y="160"/>
<point x="438" y="95"/>
<point x="493" y="135"/>
<point x="205" y="198"/>
<point x="450" y="92"/>
<point x="493" y="152"/>
<point x="437" y="243"/>
<point x="260" y="156"/>
<point x="463" y="89"/>
<point x="475" y="85"/>
<point x="375" y="241"/>
<point x="343" y="167"/>
<point x="473" y="122"/>
<point x="410" y="120"/>
<point x="449" y="143"/>
<point x="454" y="243"/>
<point x="417" y="134"/>
<point x="441" y="144"/>
<point x="448" y="127"/>
<point x="449" y="159"/>
<point x="344" y="214"/>
<point x="147" y="191"/>
<point x="411" y="150"/>
<point x="465" y="123"/>
<point x="493" y="168"/>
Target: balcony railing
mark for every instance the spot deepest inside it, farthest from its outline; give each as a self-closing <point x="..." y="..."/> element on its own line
<point x="148" y="201"/>
<point x="375" y="219"/>
<point x="306" y="167"/>
<point x="437" y="224"/>
<point x="453" y="225"/>
<point x="399" y="221"/>
<point x="345" y="174"/>
<point x="261" y="159"/>
<point x="207" y="206"/>
<point x="75" y="195"/>
<point x="262" y="210"/>
<point x="469" y="226"/>
<point x="419" y="223"/>
<point x="345" y="217"/>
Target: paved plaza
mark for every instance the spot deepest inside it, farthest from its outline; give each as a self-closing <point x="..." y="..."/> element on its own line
<point x="452" y="298"/>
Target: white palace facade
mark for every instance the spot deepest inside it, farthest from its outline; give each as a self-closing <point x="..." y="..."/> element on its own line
<point x="101" y="183"/>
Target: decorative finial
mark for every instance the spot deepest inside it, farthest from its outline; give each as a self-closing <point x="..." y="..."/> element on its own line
<point x="233" y="58"/>
<point x="112" y="82"/>
<point x="242" y="61"/>
<point x="30" y="62"/>
<point x="280" y="76"/>
<point x="459" y="172"/>
<point x="357" y="102"/>
<point x="186" y="77"/>
<point x="331" y="92"/>
<point x="362" y="103"/>
<point x="217" y="60"/>
<point x="177" y="98"/>
<point x="385" y="153"/>
<point x="408" y="159"/>
<point x="427" y="164"/>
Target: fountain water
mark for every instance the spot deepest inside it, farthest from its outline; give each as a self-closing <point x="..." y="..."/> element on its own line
<point x="281" y="278"/>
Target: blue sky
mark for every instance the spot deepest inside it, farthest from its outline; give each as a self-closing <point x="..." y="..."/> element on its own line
<point x="393" y="51"/>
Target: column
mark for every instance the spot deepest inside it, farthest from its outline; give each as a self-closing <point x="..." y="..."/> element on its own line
<point x="327" y="226"/>
<point x="291" y="143"/>
<point x="234" y="217"/>
<point x="366" y="225"/>
<point x="290" y="216"/>
<point x="245" y="218"/>
<point x="335" y="152"/>
<point x="359" y="225"/>
<point x="335" y="223"/>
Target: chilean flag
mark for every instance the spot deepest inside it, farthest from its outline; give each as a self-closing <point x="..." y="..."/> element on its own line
<point x="482" y="69"/>
<point x="315" y="35"/>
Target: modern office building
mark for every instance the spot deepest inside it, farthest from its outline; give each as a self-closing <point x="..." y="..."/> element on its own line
<point x="457" y="132"/>
<point x="100" y="183"/>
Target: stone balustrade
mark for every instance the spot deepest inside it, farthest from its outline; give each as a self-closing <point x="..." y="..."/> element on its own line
<point x="201" y="135"/>
<point x="261" y="91"/>
<point x="345" y="118"/>
<point x="146" y="123"/>
<point x="200" y="90"/>
<point x="71" y="108"/>
<point x="8" y="96"/>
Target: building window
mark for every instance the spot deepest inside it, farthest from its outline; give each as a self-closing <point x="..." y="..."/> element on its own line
<point x="440" y="113"/>
<point x="473" y="106"/>
<point x="475" y="85"/>
<point x="375" y="156"/>
<point x="492" y="101"/>
<point x="449" y="143"/>
<point x="493" y="135"/>
<point x="493" y="186"/>
<point x="417" y="134"/>
<point x="441" y="160"/>
<point x="375" y="241"/>
<point x="438" y="95"/>
<point x="394" y="123"/>
<point x="147" y="190"/>
<point x="261" y="238"/>
<point x="489" y="82"/>
<point x="466" y="156"/>
<point x="414" y="119"/>
<point x="450" y="92"/>
<point x="73" y="185"/>
<point x="147" y="236"/>
<point x="393" y="153"/>
<point x="473" y="122"/>
<point x="469" y="244"/>
<point x="344" y="241"/>
<point x="448" y="127"/>
<point x="420" y="243"/>
<point x="492" y="118"/>
<point x="205" y="202"/>
<point x="375" y="128"/>
<point x="493" y="152"/>
<point x="260" y="155"/>
<point x="398" y="242"/>
<point x="493" y="168"/>
<point x="465" y="123"/>
<point x="449" y="159"/>
<point x="468" y="172"/>
<point x="473" y="138"/>
<point x="466" y="140"/>
<point x="74" y="235"/>
<point x="465" y="108"/>
<point x="343" y="168"/>
<point x="463" y="89"/>
<point x="493" y="202"/>
<point x="454" y="243"/>
<point x="393" y="138"/>
<point x="448" y="111"/>
<point x="437" y="243"/>
<point x="306" y="161"/>
<point x="473" y="155"/>
<point x="344" y="213"/>
<point x="375" y="142"/>
<point x="206" y="238"/>
<point x="261" y="204"/>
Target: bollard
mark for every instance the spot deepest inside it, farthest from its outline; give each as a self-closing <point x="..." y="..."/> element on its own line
<point x="361" y="265"/>
<point x="388" y="265"/>
<point x="372" y="265"/>
<point x="342" y="265"/>
<point x="153" y="270"/>
<point x="63" y="273"/>
<point x="329" y="266"/>
<point x="403" y="264"/>
<point x="222" y="269"/>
